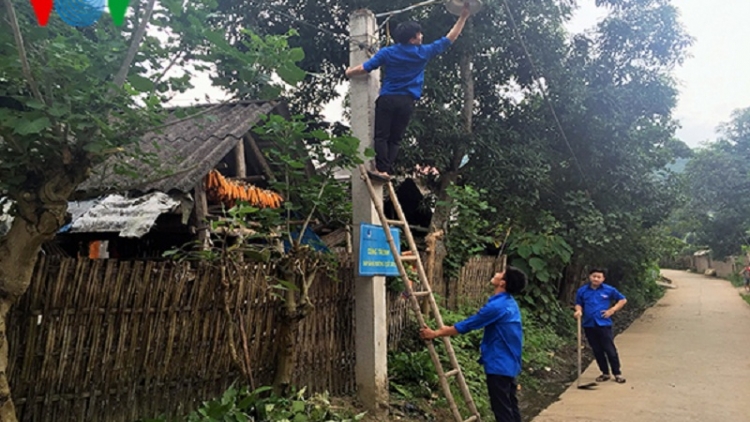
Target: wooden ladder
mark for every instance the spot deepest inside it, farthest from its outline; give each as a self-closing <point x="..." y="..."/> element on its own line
<point x="455" y="371"/>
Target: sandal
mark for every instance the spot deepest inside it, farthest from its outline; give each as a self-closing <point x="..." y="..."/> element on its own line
<point x="602" y="378"/>
<point x="619" y="379"/>
<point x="385" y="177"/>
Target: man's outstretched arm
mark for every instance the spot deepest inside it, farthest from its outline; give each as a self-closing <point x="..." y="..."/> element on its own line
<point x="355" y="71"/>
<point x="373" y="63"/>
<point x="446" y="331"/>
<point x="460" y="23"/>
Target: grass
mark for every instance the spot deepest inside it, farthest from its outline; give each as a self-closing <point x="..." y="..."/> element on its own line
<point x="736" y="280"/>
<point x="745" y="297"/>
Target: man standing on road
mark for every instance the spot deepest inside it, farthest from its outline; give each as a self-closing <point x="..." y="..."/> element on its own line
<point x="594" y="303"/>
<point x="502" y="342"/>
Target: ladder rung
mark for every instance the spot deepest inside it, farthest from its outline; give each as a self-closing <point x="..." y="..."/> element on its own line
<point x="452" y="373"/>
<point x="421" y="294"/>
<point x="471" y="419"/>
<point x="395" y="223"/>
<point x="409" y="257"/>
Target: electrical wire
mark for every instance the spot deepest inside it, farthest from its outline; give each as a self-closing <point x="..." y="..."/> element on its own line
<point x="309" y="25"/>
<point x="406" y="9"/>
<point x="370" y="48"/>
<point x="537" y="77"/>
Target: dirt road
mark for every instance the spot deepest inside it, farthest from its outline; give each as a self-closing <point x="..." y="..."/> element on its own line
<point x="686" y="359"/>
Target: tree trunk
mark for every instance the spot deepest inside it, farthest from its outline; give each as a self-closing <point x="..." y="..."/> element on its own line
<point x="37" y="220"/>
<point x="7" y="409"/>
<point x="286" y="339"/>
<point x="18" y="255"/>
<point x="442" y="212"/>
<point x="570" y="283"/>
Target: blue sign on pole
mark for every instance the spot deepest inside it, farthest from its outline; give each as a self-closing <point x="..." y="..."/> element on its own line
<point x="375" y="257"/>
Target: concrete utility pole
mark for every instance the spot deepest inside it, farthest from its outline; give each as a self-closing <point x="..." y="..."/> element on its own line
<point x="370" y="308"/>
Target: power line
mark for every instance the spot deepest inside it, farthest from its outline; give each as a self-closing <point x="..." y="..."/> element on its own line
<point x="537" y="77"/>
<point x="388" y="15"/>
<point x="309" y="25"/>
<point x="342" y="37"/>
<point x="406" y="9"/>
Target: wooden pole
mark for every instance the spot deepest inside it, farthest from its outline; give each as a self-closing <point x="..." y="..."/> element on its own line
<point x="200" y="211"/>
<point x="239" y="159"/>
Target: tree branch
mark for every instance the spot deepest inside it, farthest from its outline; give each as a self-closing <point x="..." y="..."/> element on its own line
<point x="172" y="62"/>
<point x="13" y="20"/>
<point x="122" y="74"/>
<point x="312" y="212"/>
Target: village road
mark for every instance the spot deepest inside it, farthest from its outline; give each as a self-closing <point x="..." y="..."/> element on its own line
<point x="686" y="359"/>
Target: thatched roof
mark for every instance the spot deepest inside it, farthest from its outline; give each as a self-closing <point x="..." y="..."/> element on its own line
<point x="187" y="149"/>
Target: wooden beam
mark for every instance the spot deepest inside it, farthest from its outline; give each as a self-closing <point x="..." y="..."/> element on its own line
<point x="251" y="179"/>
<point x="239" y="159"/>
<point x="200" y="211"/>
<point x="258" y="154"/>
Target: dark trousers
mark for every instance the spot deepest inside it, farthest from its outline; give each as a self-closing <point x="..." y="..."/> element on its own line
<point x="502" y="391"/>
<point x="603" y="345"/>
<point x="392" y="115"/>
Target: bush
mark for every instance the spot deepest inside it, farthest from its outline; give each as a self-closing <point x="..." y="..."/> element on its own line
<point x="737" y="280"/>
<point x="644" y="292"/>
<point x="241" y="405"/>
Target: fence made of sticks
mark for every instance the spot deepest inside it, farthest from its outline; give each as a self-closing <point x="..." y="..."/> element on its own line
<point x="108" y="340"/>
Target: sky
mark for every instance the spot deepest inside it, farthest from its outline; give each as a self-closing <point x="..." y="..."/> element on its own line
<point x="713" y="81"/>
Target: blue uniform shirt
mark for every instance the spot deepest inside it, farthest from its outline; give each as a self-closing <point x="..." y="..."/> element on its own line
<point x="595" y="301"/>
<point x="404" y="66"/>
<point x="502" y="342"/>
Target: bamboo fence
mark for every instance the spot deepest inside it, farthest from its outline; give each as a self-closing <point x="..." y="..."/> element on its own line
<point x="108" y="340"/>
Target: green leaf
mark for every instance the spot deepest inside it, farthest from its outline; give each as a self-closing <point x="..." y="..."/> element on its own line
<point x="402" y="390"/>
<point x="542" y="275"/>
<point x="291" y="74"/>
<point x="219" y="40"/>
<point x="296" y="54"/>
<point x="35" y="104"/>
<point x="298" y="406"/>
<point x="524" y="251"/>
<point x="140" y="83"/>
<point x="29" y="127"/>
<point x="57" y="110"/>
<point x="537" y="264"/>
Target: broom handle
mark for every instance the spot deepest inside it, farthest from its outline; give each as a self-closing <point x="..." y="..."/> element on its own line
<point x="579" y="346"/>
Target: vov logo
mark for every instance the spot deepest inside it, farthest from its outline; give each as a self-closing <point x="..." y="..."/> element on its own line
<point x="79" y="12"/>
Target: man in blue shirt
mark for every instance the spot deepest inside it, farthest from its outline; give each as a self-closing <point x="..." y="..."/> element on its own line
<point x="502" y="342"/>
<point x="404" y="65"/>
<point x="594" y="303"/>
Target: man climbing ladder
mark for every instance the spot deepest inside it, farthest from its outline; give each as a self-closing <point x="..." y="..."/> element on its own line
<point x="404" y="63"/>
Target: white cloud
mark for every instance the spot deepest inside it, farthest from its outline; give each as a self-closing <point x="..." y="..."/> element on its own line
<point x="713" y="82"/>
